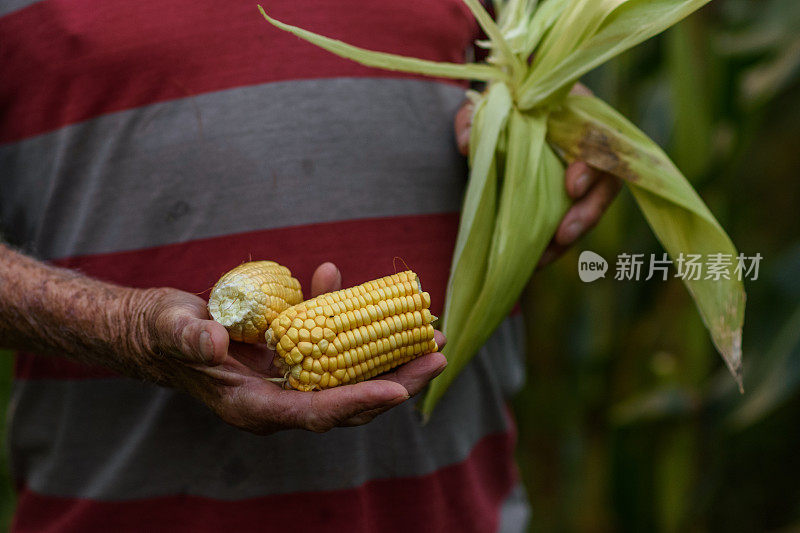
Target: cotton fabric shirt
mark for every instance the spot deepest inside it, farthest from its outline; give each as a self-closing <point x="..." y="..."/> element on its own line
<point x="160" y="143"/>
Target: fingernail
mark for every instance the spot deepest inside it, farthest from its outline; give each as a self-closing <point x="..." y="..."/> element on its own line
<point x="582" y="183"/>
<point x="397" y="400"/>
<point x="572" y="232"/>
<point x="206" y="346"/>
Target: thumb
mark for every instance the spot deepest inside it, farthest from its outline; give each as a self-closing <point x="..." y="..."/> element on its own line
<point x="326" y="278"/>
<point x="199" y="341"/>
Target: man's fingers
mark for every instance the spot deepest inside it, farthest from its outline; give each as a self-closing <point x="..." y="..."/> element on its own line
<point x="363" y="418"/>
<point x="586" y="212"/>
<point x="413" y="376"/>
<point x="199" y="341"/>
<point x="463" y="127"/>
<point x="262" y="407"/>
<point x="579" y="178"/>
<point x="333" y="407"/>
<point x="326" y="278"/>
<point x="416" y="374"/>
<point x="256" y="357"/>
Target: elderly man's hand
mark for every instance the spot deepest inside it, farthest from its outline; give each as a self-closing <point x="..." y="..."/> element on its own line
<point x="592" y="191"/>
<point x="193" y="353"/>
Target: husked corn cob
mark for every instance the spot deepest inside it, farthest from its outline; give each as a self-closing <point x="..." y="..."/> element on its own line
<point x="353" y="334"/>
<point x="249" y="297"/>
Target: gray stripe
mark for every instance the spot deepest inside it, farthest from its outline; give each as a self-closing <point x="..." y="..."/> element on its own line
<point x="515" y="515"/>
<point x="120" y="439"/>
<point x="272" y="155"/>
<point x="9" y="6"/>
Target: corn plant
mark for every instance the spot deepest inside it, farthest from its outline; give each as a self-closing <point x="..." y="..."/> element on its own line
<point x="526" y="126"/>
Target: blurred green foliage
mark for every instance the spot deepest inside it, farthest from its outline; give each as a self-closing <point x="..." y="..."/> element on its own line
<point x="629" y="421"/>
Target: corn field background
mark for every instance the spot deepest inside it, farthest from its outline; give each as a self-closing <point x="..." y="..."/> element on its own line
<point x="629" y="421"/>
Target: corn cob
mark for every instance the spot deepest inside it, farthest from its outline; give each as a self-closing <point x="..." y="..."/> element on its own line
<point x="353" y="334"/>
<point x="249" y="297"/>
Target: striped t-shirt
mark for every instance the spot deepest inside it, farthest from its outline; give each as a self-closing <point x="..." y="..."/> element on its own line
<point x="161" y="142"/>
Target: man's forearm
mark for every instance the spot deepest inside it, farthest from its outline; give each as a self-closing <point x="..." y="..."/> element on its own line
<point x="61" y="312"/>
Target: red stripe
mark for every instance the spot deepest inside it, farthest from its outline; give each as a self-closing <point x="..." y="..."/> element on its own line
<point x="65" y="61"/>
<point x="463" y="497"/>
<point x="424" y="243"/>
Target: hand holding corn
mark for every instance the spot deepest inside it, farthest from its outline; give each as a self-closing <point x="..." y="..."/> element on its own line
<point x="337" y="338"/>
<point x="165" y="336"/>
<point x="232" y="374"/>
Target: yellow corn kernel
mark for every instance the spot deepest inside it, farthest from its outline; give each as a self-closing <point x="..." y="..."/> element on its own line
<point x="354" y="334"/>
<point x="305" y="348"/>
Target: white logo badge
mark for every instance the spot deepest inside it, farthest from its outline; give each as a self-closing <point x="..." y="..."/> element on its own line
<point x="591" y="266"/>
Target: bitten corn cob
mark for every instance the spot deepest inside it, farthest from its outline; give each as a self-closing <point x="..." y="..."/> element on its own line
<point x="249" y="297"/>
<point x="353" y="334"/>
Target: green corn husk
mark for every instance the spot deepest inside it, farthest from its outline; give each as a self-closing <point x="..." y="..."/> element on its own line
<point x="525" y="126"/>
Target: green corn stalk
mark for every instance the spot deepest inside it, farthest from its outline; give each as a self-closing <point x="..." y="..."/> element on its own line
<point x="526" y="125"/>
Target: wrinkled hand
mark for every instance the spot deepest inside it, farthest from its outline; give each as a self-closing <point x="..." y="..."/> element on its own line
<point x="591" y="190"/>
<point x="194" y="353"/>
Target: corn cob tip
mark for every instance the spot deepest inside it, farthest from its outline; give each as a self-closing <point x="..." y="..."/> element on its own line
<point x="225" y="306"/>
<point x="247" y="298"/>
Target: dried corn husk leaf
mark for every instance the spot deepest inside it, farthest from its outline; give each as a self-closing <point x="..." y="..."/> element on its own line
<point x="588" y="129"/>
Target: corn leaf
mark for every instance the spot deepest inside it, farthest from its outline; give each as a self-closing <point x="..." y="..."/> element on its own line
<point x="513" y="17"/>
<point x="626" y="26"/>
<point x="480" y="206"/>
<point x="394" y="62"/>
<point x="578" y="22"/>
<point x="586" y="128"/>
<point x="488" y="25"/>
<point x="524" y="23"/>
<point x="532" y="202"/>
<point x="542" y="21"/>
